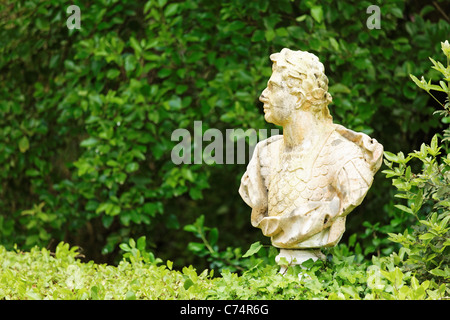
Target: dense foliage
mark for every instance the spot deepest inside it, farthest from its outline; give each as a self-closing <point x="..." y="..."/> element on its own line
<point x="39" y="274"/>
<point x="427" y="192"/>
<point x="86" y="117"/>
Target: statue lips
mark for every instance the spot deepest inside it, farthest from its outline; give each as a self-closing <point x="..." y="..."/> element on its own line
<point x="266" y="107"/>
<point x="266" y="103"/>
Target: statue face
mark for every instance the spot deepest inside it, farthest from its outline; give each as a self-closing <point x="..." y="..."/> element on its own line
<point x="279" y="102"/>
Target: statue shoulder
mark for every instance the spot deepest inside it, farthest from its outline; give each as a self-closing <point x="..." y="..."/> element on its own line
<point x="270" y="142"/>
<point x="268" y="149"/>
<point x="344" y="146"/>
<point x="350" y="155"/>
<point x="368" y="149"/>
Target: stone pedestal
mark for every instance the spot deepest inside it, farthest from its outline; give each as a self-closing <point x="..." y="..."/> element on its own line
<point x="297" y="257"/>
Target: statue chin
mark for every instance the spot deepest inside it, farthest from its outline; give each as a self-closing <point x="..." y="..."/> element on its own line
<point x="269" y="118"/>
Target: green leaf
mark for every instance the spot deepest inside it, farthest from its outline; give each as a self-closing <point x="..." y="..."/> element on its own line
<point x="404" y="208"/>
<point x="42" y="24"/>
<point x="254" y="248"/>
<point x="190" y="228"/>
<point x="196" y="247"/>
<point x="187" y="283"/>
<point x="32" y="295"/>
<point x="130" y="63"/>
<point x="89" y="142"/>
<point x="317" y="13"/>
<point x="24" y="144"/>
<point x="164" y="73"/>
<point x="390" y="156"/>
<point x="130" y="295"/>
<point x="112" y="163"/>
<point x="335" y="45"/>
<point x="131" y="167"/>
<point x="270" y="35"/>
<point x="125" y="247"/>
<point x="171" y="9"/>
<point x="257" y="36"/>
<point x="416" y="81"/>
<point x="301" y="18"/>
<point x="440" y="273"/>
<point x="94" y="293"/>
<point x="426" y="236"/>
<point x="136" y="46"/>
<point x="112" y="73"/>
<point x="141" y="243"/>
<point x="339" y="87"/>
<point x="352" y="240"/>
<point x="397" y="12"/>
<point x="434" y="145"/>
<point x="213" y="236"/>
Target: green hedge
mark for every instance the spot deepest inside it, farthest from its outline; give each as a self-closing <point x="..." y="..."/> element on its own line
<point x="41" y="274"/>
<point x="86" y="115"/>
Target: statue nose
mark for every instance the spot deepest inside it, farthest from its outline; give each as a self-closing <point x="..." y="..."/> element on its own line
<point x="262" y="97"/>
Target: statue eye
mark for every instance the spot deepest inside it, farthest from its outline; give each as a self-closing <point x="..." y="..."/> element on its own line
<point x="274" y="84"/>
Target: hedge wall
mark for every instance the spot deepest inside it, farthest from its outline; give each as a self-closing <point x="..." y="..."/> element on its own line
<point x="86" y="115"/>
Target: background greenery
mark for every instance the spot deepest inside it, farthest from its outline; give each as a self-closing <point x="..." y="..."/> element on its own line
<point x="86" y="115"/>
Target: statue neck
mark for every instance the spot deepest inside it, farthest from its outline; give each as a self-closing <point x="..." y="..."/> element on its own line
<point x="305" y="130"/>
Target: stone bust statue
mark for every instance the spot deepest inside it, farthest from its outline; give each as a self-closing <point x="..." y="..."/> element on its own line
<point x="302" y="184"/>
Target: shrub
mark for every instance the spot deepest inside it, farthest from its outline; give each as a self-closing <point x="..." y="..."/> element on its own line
<point x="427" y="192"/>
<point x="41" y="274"/>
<point x="87" y="115"/>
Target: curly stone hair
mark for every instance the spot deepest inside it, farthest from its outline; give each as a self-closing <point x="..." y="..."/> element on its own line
<point x="305" y="77"/>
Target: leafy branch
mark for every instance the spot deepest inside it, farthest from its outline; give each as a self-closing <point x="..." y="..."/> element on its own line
<point x="442" y="87"/>
<point x="427" y="193"/>
<point x="208" y="247"/>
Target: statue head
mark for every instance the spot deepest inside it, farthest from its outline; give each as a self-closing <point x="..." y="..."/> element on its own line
<point x="298" y="82"/>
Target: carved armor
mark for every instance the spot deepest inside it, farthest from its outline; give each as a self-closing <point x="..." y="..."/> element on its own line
<point x="301" y="198"/>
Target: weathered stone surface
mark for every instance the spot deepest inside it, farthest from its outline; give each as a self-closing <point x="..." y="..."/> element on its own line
<point x="301" y="185"/>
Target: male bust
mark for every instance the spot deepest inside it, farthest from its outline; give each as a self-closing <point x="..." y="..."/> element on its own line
<point x="301" y="185"/>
